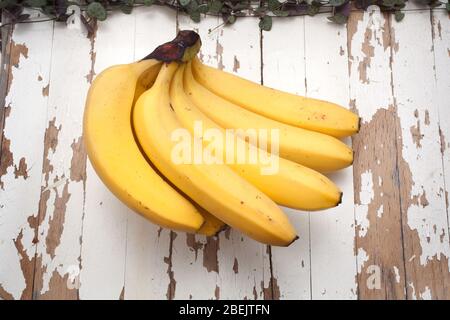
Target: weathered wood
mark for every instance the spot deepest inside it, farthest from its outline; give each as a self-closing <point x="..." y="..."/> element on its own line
<point x="232" y="265"/>
<point x="64" y="166"/>
<point x="381" y="273"/>
<point x="441" y="48"/>
<point x="195" y="257"/>
<point x="148" y="273"/>
<point x="103" y="249"/>
<point x="60" y="228"/>
<point x="333" y="262"/>
<point x="21" y="156"/>
<point x="424" y="217"/>
<point x="285" y="70"/>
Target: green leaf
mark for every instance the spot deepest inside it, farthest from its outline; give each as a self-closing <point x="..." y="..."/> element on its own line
<point x="36" y="3"/>
<point x="184" y="3"/>
<point x="231" y="19"/>
<point x="215" y="6"/>
<point x="265" y="23"/>
<point x="203" y="8"/>
<point x="96" y="10"/>
<point x="280" y="13"/>
<point x="338" y="18"/>
<point x="312" y="10"/>
<point x="337" y="3"/>
<point x="193" y="5"/>
<point x="448" y="6"/>
<point x="273" y="5"/>
<point x="126" y="8"/>
<point x="195" y="16"/>
<point x="388" y="3"/>
<point x="399" y="15"/>
<point x="148" y="2"/>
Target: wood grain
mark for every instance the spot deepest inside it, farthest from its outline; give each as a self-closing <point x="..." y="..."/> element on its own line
<point x="285" y="70"/>
<point x="21" y="161"/>
<point x="333" y="261"/>
<point x="424" y="217"/>
<point x="148" y="273"/>
<point x="381" y="272"/>
<point x="64" y="235"/>
<point x="103" y="248"/>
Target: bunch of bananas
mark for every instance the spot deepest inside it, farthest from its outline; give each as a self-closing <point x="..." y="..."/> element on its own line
<point x="133" y="110"/>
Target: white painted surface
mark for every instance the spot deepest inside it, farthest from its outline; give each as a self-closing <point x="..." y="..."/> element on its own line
<point x="333" y="262"/>
<point x="121" y="254"/>
<point x="24" y="128"/>
<point x="285" y="70"/>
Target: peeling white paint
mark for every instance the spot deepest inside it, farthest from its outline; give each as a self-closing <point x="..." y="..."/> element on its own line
<point x="430" y="235"/>
<point x="65" y="99"/>
<point x="413" y="291"/>
<point x="369" y="71"/>
<point x="380" y="211"/>
<point x="397" y="274"/>
<point x="366" y="196"/>
<point x="412" y="60"/>
<point x="362" y="257"/>
<point x="426" y="294"/>
<point x="20" y="198"/>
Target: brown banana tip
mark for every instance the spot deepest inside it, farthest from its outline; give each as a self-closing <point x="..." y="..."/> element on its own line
<point x="185" y="45"/>
<point x="359" y="124"/>
<point x="295" y="239"/>
<point x="340" y="198"/>
<point x="225" y="227"/>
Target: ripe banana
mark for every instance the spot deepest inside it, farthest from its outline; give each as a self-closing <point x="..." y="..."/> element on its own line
<point x="314" y="150"/>
<point x="215" y="187"/>
<point x="307" y="113"/>
<point x="212" y="225"/>
<point x="291" y="185"/>
<point x="116" y="157"/>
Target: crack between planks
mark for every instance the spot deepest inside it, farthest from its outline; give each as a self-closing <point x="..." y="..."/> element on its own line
<point x="261" y="70"/>
<point x="5" y="61"/>
<point x="33" y="294"/>
<point x="349" y="44"/>
<point x="397" y="166"/>
<point x="309" y="214"/>
<point x="433" y="38"/>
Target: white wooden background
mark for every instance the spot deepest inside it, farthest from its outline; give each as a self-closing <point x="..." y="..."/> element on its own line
<point x="64" y="235"/>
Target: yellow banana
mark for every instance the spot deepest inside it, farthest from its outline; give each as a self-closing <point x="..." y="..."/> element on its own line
<point x="215" y="187"/>
<point x="212" y="225"/>
<point x="307" y="113"/>
<point x="314" y="150"/>
<point x="290" y="184"/>
<point x="115" y="155"/>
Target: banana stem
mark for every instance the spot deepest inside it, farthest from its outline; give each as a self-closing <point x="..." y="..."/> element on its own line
<point x="183" y="48"/>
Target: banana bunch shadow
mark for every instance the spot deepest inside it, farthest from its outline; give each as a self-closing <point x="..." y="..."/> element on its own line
<point x="133" y="112"/>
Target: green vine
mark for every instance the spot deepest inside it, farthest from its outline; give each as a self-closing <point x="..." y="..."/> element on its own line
<point x="229" y="10"/>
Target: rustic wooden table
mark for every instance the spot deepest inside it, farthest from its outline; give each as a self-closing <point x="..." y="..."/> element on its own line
<point x="64" y="235"/>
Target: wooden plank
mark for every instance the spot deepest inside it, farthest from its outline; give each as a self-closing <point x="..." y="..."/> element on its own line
<point x="21" y="156"/>
<point x="147" y="271"/>
<point x="284" y="69"/>
<point x="381" y="273"/>
<point x="194" y="257"/>
<point x="64" y="168"/>
<point x="333" y="261"/>
<point x="441" y="46"/>
<point x="105" y="221"/>
<point x="424" y="217"/>
<point x="231" y="266"/>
